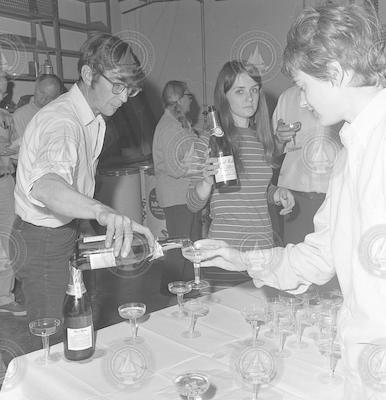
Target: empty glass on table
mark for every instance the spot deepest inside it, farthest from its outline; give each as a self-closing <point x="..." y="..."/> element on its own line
<point x="180" y="288"/>
<point x="195" y="309"/>
<point x="255" y="314"/>
<point x="132" y="311"/>
<point x="191" y="384"/>
<point x="44" y="327"/>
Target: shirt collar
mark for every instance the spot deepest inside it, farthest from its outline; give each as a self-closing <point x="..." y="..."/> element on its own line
<point x="359" y="131"/>
<point x="83" y="109"/>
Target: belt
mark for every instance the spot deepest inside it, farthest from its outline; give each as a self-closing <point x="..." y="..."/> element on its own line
<point x="5" y="174"/>
<point x="310" y="195"/>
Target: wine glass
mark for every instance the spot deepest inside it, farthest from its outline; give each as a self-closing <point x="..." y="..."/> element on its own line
<point x="179" y="288"/>
<point x="255" y="314"/>
<point x="256" y="366"/>
<point x="330" y="349"/>
<point x="273" y="307"/>
<point x="132" y="311"/>
<point x="286" y="327"/>
<point x="302" y="320"/>
<point x="44" y="327"/>
<point x="196" y="309"/>
<point x="194" y="255"/>
<point x="294" y="127"/>
<point x="191" y="384"/>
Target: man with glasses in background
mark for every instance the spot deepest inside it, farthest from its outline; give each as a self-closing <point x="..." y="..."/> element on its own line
<point x="56" y="174"/>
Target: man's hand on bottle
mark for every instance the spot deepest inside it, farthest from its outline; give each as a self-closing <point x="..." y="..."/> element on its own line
<point x="120" y="230"/>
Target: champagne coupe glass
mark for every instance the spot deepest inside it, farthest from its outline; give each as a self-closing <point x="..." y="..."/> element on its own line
<point x="194" y="255"/>
<point x="256" y="315"/>
<point x="44" y="327"/>
<point x="302" y="320"/>
<point x="191" y="384"/>
<point x="274" y="306"/>
<point x="195" y="309"/>
<point x="294" y="127"/>
<point x="330" y="349"/>
<point x="179" y="288"/>
<point x="257" y="366"/>
<point x="286" y="327"/>
<point x="132" y="311"/>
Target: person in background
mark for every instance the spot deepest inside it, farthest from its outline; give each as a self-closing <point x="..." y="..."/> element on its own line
<point x="8" y="305"/>
<point x="47" y="88"/>
<point x="307" y="179"/>
<point x="240" y="214"/>
<point x="336" y="55"/>
<point x="55" y="179"/>
<point x="173" y="143"/>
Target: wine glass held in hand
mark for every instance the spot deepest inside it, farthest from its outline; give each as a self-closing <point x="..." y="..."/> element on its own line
<point x="44" y="327"/>
<point x="195" y="309"/>
<point x="179" y="288"/>
<point x="191" y="384"/>
<point x="287" y="132"/>
<point x="132" y="311"/>
<point x="194" y="255"/>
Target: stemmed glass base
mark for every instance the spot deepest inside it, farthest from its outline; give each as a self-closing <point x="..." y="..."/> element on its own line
<point x="330" y="379"/>
<point x="201" y="285"/>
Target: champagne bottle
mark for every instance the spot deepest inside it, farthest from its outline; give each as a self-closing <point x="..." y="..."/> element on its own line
<point x="79" y="336"/>
<point x="220" y="148"/>
<point x="92" y="253"/>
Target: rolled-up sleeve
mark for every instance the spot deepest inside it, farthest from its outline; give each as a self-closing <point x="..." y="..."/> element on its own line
<point x="58" y="154"/>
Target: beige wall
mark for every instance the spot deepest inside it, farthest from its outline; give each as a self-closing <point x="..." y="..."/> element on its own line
<point x="233" y="27"/>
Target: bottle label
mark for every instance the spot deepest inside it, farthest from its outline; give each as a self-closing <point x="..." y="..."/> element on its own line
<point x="217" y="131"/>
<point x="226" y="169"/>
<point x="79" y="338"/>
<point x="104" y="259"/>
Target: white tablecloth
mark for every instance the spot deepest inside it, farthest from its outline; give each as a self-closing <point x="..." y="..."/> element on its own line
<point x="168" y="355"/>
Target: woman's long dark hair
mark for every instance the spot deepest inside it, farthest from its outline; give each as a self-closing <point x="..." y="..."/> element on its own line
<point x="260" y="122"/>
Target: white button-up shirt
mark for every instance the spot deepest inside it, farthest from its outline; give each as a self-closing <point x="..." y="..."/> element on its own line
<point x="64" y="138"/>
<point x="349" y="239"/>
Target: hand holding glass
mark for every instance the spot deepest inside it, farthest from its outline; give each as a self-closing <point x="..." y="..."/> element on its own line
<point x="194" y="255"/>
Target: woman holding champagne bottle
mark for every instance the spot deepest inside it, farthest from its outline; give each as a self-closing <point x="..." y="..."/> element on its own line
<point x="239" y="213"/>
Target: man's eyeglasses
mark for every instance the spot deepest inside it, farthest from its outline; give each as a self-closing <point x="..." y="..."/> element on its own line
<point x="119" y="87"/>
<point x="189" y="95"/>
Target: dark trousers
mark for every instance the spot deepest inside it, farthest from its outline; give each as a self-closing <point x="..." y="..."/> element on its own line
<point x="180" y="222"/>
<point x="40" y="258"/>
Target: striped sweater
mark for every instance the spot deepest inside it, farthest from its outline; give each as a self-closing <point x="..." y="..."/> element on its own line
<point x="240" y="214"/>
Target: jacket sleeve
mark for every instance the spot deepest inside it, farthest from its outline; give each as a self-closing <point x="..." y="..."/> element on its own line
<point x="295" y="267"/>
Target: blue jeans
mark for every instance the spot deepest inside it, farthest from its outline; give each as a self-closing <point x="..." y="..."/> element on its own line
<point x="40" y="258"/>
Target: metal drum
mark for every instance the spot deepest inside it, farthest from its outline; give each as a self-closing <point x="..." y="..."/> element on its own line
<point x="120" y="188"/>
<point x="153" y="215"/>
